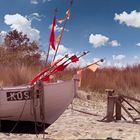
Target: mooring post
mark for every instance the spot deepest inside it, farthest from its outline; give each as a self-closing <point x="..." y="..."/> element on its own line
<point x="110" y="105"/>
<point x="118" y="108"/>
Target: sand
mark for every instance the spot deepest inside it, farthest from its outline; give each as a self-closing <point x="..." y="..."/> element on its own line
<point x="74" y="125"/>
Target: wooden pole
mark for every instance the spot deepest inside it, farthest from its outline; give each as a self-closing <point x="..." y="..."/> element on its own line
<point x="118" y="108"/>
<point x="47" y="55"/>
<point x="127" y="112"/>
<point x="131" y="98"/>
<point x="110" y="105"/>
<point x="131" y="106"/>
<point x="110" y="108"/>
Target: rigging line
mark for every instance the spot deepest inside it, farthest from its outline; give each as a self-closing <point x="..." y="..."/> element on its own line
<point x="34" y="109"/>
<point x="18" y="118"/>
<point x="42" y="106"/>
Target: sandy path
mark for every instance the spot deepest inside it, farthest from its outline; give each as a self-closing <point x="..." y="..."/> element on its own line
<point x="75" y="125"/>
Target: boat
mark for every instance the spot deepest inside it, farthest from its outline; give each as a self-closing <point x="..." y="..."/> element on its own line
<point x="42" y="103"/>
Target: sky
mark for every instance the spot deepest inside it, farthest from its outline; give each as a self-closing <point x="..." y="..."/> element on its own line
<point x="108" y="29"/>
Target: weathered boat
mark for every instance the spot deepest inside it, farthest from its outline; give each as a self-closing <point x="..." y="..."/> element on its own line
<point x="40" y="104"/>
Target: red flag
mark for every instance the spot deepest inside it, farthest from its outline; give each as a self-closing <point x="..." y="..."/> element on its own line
<point x="56" y="62"/>
<point x="67" y="16"/>
<point x="52" y="35"/>
<point x="74" y="58"/>
<point x="59" y="68"/>
<point x="58" y="39"/>
<point x="93" y="67"/>
<point x="61" y="21"/>
<point x="46" y="78"/>
<point x="39" y="75"/>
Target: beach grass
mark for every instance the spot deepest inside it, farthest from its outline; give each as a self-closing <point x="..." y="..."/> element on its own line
<point x="17" y="70"/>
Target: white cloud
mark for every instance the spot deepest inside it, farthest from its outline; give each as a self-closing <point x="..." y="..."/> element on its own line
<point x="45" y="1"/>
<point x="3" y="33"/>
<point x="118" y="57"/>
<point x="84" y="62"/>
<point x="136" y="57"/>
<point x="138" y="44"/>
<point x="35" y="16"/>
<point x="61" y="50"/>
<point x="34" y="1"/>
<point x="81" y="63"/>
<point x="38" y="1"/>
<point x="98" y="40"/>
<point x="114" y="43"/>
<point x="43" y="55"/>
<point x="2" y="36"/>
<point x="22" y="24"/>
<point x="58" y="29"/>
<point x="119" y="65"/>
<point x="107" y="63"/>
<point x="132" y="19"/>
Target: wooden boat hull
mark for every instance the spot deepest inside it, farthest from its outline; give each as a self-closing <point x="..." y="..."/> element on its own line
<point x="16" y="103"/>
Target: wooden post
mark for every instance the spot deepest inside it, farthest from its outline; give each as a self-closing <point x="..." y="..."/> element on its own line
<point x="115" y="101"/>
<point x="110" y="105"/>
<point x="118" y="108"/>
<point x="42" y="105"/>
<point x="88" y="97"/>
<point x="127" y="112"/>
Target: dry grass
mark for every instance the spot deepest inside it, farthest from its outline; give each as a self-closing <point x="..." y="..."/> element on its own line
<point x="17" y="75"/>
<point x="15" y="70"/>
<point x="126" y="81"/>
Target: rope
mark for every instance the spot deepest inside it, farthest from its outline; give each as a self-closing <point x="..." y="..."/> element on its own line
<point x="34" y="110"/>
<point x="42" y="108"/>
<point x="18" y="118"/>
<point x="39" y="91"/>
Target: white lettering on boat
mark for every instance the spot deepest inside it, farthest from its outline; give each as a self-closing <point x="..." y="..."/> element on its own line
<point x="18" y="95"/>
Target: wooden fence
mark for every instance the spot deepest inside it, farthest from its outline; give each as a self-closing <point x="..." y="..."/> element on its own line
<point x="115" y="105"/>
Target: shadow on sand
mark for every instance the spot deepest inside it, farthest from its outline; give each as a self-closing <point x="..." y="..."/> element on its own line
<point x="22" y="127"/>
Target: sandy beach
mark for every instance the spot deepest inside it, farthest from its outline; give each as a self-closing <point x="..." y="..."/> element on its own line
<point x="74" y="125"/>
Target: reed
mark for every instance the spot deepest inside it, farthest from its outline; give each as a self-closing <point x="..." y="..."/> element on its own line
<point x="17" y="75"/>
<point x="15" y="71"/>
<point x="126" y="80"/>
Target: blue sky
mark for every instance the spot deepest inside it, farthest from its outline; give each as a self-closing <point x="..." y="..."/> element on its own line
<point x="107" y="28"/>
